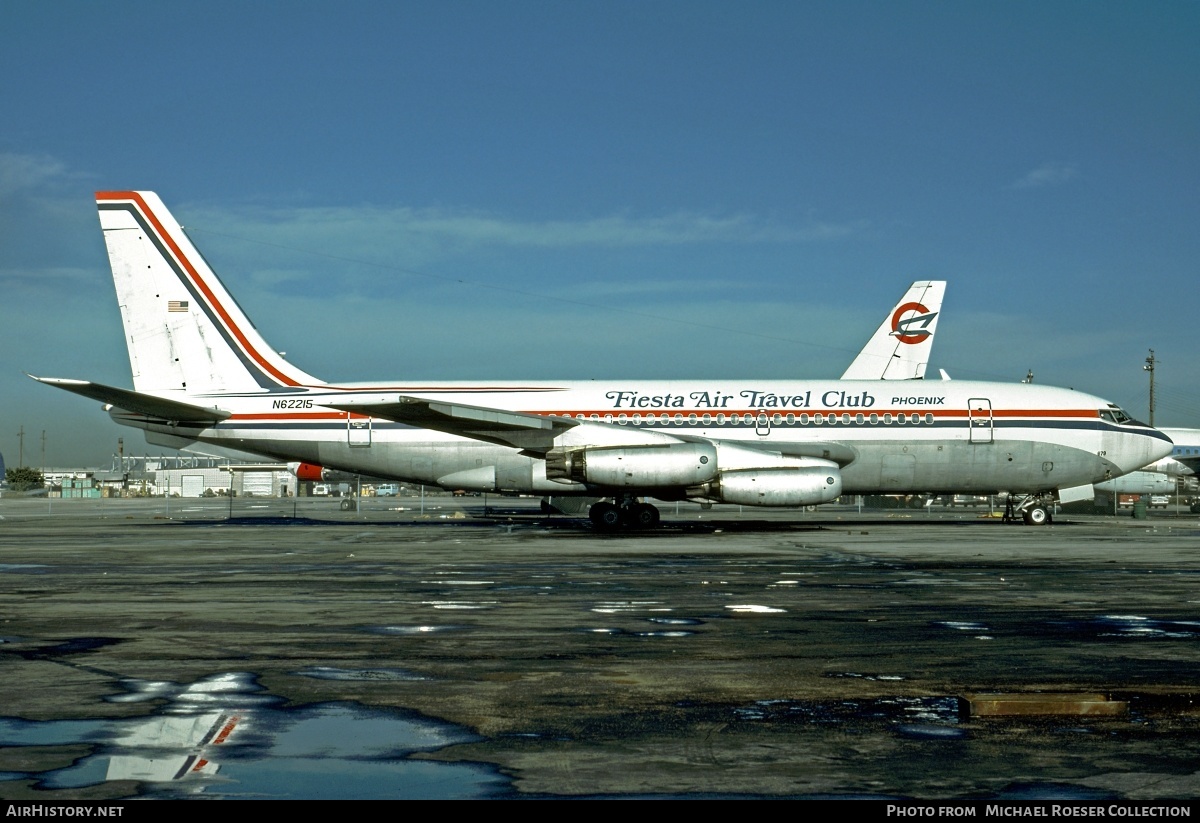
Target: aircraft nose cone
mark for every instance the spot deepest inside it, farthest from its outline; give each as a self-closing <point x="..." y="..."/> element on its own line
<point x="1147" y="446"/>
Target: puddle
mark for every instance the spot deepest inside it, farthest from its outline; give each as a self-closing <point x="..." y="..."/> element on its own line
<point x="412" y="630"/>
<point x="75" y="645"/>
<point x="961" y="625"/>
<point x="919" y="717"/>
<point x="331" y="673"/>
<point x="225" y="738"/>
<point x="927" y="731"/>
<point x="1026" y="792"/>
<point x="663" y="634"/>
<point x="865" y="676"/>
<point x="616" y="606"/>
<point x="614" y="632"/>
<point x="1132" y="627"/>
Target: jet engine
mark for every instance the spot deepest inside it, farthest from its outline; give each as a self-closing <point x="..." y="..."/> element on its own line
<point x="671" y="465"/>
<point x="306" y="471"/>
<point x="320" y="474"/>
<point x="806" y="486"/>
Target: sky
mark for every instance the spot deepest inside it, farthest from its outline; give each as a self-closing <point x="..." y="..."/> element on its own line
<point x="466" y="189"/>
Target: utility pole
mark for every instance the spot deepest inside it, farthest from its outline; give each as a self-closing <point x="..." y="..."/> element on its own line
<point x="1150" y="368"/>
<point x="43" y="452"/>
<point x="21" y="447"/>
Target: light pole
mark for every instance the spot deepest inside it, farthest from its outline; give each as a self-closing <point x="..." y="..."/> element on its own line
<point x="1150" y="368"/>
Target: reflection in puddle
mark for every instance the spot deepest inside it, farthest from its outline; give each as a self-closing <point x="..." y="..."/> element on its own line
<point x="223" y="738"/>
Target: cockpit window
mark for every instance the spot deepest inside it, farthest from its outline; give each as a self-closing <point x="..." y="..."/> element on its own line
<point x="1113" y="414"/>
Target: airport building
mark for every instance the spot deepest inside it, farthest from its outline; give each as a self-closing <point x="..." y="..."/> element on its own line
<point x="178" y="476"/>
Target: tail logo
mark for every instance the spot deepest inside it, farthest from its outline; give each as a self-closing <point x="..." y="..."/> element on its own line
<point x="910" y="323"/>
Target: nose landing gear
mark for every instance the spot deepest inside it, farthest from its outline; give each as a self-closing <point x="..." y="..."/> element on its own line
<point x="1033" y="509"/>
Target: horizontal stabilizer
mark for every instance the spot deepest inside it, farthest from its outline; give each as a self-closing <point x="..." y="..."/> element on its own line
<point x="137" y="402"/>
<point x="508" y="428"/>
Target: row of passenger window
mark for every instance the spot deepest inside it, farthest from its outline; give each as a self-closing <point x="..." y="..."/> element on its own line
<point x="762" y="419"/>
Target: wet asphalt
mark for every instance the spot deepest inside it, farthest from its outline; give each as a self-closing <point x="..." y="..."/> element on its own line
<point x="804" y="654"/>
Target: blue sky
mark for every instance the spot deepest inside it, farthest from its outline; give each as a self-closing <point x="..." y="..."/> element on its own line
<point x="569" y="190"/>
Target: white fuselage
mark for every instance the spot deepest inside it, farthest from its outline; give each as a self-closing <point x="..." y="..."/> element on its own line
<point x="888" y="437"/>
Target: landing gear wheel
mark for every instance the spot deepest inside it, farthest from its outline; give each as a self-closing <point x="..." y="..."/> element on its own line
<point x="1037" y="516"/>
<point x="641" y="516"/>
<point x="605" y="516"/>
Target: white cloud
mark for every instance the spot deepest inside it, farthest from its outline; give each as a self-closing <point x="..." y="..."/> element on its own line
<point x="48" y="277"/>
<point x="20" y="172"/>
<point x="1047" y="174"/>
<point x="409" y="226"/>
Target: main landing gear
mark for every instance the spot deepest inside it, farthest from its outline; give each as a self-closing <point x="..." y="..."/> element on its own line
<point x="630" y="513"/>
<point x="1033" y="509"/>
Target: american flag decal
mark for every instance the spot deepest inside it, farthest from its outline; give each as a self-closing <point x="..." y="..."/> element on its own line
<point x="177" y="305"/>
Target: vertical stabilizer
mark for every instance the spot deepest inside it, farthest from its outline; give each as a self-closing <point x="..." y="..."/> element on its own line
<point x="899" y="349"/>
<point x="184" y="331"/>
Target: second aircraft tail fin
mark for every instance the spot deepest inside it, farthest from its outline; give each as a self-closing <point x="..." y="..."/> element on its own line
<point x="899" y="349"/>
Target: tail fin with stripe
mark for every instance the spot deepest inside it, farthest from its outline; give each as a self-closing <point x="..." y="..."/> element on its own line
<point x="899" y="349"/>
<point x="184" y="330"/>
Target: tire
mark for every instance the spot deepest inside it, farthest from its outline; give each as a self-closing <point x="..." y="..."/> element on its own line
<point x="605" y="517"/>
<point x="1037" y="516"/>
<point x="642" y="516"/>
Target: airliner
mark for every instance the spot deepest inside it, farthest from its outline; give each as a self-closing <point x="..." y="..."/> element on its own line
<point x="1184" y="459"/>
<point x="203" y="374"/>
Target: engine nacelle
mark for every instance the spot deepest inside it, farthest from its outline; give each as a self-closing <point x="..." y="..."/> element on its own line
<point x="311" y="472"/>
<point x="1138" y="483"/>
<point x="307" y="471"/>
<point x="642" y="467"/>
<point x="805" y="486"/>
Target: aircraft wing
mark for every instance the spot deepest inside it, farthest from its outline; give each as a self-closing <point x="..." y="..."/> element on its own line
<point x="531" y="432"/>
<point x="158" y="407"/>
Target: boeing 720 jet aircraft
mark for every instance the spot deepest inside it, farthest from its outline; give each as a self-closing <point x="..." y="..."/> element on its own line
<point x="202" y="373"/>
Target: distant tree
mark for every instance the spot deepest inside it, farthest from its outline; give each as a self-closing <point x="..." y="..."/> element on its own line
<point x="23" y="478"/>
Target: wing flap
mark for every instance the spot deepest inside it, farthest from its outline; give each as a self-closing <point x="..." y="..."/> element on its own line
<point x="520" y="430"/>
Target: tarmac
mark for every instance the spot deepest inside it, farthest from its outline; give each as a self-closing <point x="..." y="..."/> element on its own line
<point x="731" y="653"/>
